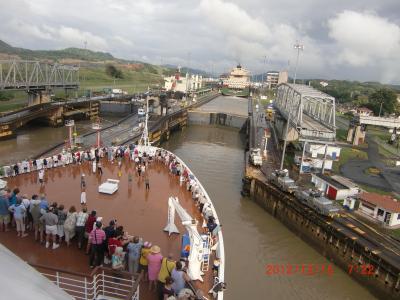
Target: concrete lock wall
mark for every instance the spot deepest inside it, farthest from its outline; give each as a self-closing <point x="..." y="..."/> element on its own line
<point x="205" y="118"/>
<point x="109" y="107"/>
<point x="333" y="244"/>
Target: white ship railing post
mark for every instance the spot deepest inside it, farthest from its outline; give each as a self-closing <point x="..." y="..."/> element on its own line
<point x="86" y="291"/>
<point x="102" y="274"/>
<point x="58" y="279"/>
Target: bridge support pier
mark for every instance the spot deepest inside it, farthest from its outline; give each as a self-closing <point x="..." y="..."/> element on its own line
<point x="350" y="134"/>
<point x="356" y="135"/>
<point x="38" y="97"/>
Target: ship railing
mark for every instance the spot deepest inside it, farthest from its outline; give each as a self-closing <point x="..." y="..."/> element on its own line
<point x="101" y="282"/>
<point x="219" y="286"/>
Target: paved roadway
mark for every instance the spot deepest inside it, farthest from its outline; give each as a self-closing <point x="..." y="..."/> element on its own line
<point x="388" y="180"/>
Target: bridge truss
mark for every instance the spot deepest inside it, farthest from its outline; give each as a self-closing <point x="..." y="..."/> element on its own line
<point x="309" y="111"/>
<point x="35" y="75"/>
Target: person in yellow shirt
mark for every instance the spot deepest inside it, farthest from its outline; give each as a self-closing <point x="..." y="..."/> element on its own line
<point x="167" y="265"/>
<point x="143" y="264"/>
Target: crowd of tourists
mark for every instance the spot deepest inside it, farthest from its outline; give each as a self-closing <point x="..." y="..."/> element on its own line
<point x="129" y="153"/>
<point x="52" y="224"/>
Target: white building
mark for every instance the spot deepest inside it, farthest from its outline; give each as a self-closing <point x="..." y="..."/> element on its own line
<point x="335" y="187"/>
<point x="382" y="208"/>
<point x="363" y="111"/>
<point x="274" y="78"/>
<point x="318" y="150"/>
<point x="185" y="84"/>
<point x="314" y="157"/>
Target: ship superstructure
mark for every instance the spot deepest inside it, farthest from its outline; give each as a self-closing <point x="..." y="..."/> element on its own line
<point x="237" y="83"/>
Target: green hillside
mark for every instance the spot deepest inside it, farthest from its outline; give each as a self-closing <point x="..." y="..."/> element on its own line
<point x="56" y="55"/>
<point x="136" y="76"/>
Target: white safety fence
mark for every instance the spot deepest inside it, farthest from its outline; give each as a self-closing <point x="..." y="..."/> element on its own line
<point x="102" y="284"/>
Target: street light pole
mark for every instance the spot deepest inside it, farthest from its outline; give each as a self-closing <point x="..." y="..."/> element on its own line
<point x="299" y="47"/>
<point x="380" y="109"/>
<point x="262" y="74"/>
<point x="188" y="78"/>
<point x="285" y="142"/>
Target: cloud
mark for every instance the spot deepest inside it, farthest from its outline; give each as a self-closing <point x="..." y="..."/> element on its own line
<point x="233" y="20"/>
<point x="75" y="37"/>
<point x="341" y="39"/>
<point x="60" y="37"/>
<point x="364" y="38"/>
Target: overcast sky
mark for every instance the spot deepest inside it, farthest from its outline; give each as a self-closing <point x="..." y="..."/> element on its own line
<point x="343" y="39"/>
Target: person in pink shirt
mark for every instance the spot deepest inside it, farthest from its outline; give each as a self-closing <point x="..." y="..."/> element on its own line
<point x="96" y="240"/>
<point x="154" y="259"/>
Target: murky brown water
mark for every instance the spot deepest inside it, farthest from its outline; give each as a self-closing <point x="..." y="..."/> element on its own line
<point x="33" y="139"/>
<point x="253" y="238"/>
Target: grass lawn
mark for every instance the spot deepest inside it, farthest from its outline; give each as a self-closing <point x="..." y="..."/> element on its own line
<point x="373" y="171"/>
<point x="341" y="134"/>
<point x="395" y="233"/>
<point x="347" y="154"/>
<point x="8" y="106"/>
<point x="378" y="131"/>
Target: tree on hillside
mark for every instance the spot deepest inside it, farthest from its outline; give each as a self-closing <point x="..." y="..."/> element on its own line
<point x="385" y="97"/>
<point x="112" y="71"/>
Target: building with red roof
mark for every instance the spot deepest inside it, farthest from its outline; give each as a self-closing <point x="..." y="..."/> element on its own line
<point x="383" y="208"/>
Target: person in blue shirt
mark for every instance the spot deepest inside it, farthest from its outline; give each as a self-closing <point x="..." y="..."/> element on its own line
<point x="134" y="248"/>
<point x="19" y="212"/>
<point x="13" y="196"/>
<point x="4" y="212"/>
<point x="44" y="204"/>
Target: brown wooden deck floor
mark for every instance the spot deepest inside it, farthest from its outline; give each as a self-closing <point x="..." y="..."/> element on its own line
<point x="141" y="213"/>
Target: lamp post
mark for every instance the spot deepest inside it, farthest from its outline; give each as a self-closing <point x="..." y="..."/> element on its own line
<point x="285" y="142"/>
<point x="262" y="74"/>
<point x="299" y="47"/>
<point x="188" y="78"/>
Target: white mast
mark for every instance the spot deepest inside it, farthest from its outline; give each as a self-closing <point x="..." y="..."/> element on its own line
<point x="196" y="242"/>
<point x="144" y="140"/>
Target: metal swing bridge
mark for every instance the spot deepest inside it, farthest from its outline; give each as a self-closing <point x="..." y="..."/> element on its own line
<point x="35" y="75"/>
<point x="310" y="112"/>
